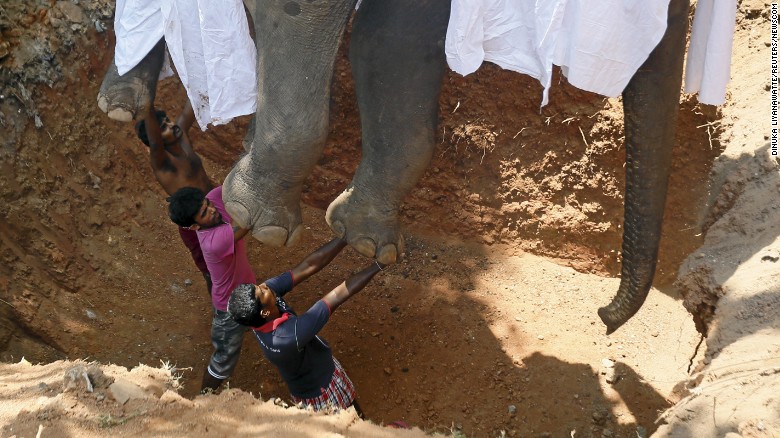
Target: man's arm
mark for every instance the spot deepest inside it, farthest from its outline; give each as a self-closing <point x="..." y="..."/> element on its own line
<point x="239" y="233"/>
<point x="157" y="153"/>
<point x="184" y="122"/>
<point x="352" y="286"/>
<point x="317" y="260"/>
<point x="187" y="117"/>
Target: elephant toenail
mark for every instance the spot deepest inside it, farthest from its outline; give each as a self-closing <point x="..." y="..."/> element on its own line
<point x="365" y="246"/>
<point x="387" y="255"/>
<point x="294" y="236"/>
<point x="120" y="115"/>
<point x="239" y="214"/>
<point x="102" y="103"/>
<point x="271" y="235"/>
<point x="339" y="228"/>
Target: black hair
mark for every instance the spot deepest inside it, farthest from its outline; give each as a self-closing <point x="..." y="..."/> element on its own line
<point x="244" y="308"/>
<point x="184" y="205"/>
<point x="140" y="127"/>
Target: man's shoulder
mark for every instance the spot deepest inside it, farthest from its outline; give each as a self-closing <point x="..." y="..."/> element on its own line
<point x="215" y="193"/>
<point x="214" y="236"/>
<point x="215" y="196"/>
<point x="283" y="336"/>
<point x="215" y="232"/>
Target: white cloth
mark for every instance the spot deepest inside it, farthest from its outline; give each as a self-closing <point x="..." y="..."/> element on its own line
<point x="138" y="25"/>
<point x="500" y="31"/>
<point x="708" y="66"/>
<point x="598" y="44"/>
<point x="210" y="46"/>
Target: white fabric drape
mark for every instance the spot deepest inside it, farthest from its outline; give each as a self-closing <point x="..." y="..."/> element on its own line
<point x="599" y="44"/>
<point x="209" y="44"/>
<point x="708" y="66"/>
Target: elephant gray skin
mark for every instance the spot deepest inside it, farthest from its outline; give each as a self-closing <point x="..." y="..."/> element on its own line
<point x="397" y="58"/>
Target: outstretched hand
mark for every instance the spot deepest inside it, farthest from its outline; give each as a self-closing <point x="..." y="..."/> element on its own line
<point x="317" y="260"/>
<point x="352" y="285"/>
<point x="239" y="233"/>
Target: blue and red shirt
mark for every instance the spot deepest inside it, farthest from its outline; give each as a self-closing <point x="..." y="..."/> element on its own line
<point x="291" y="343"/>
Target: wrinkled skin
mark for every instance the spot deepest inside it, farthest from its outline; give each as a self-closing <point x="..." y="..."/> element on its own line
<point x="130" y="96"/>
<point x="397" y="57"/>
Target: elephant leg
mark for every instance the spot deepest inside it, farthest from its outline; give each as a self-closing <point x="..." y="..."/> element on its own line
<point x="397" y="56"/>
<point x="249" y="138"/>
<point x="650" y="104"/>
<point x="124" y="97"/>
<point x="296" y="44"/>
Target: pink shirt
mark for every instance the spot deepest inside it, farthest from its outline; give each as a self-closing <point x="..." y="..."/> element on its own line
<point x="226" y="260"/>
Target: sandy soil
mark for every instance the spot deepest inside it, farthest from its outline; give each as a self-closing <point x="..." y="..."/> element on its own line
<point x="487" y="327"/>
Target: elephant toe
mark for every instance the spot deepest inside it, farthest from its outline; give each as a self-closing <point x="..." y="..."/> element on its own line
<point x="365" y="246"/>
<point x="271" y="235"/>
<point x="388" y="254"/>
<point x="120" y="115"/>
<point x="239" y="214"/>
<point x="102" y="102"/>
<point x="339" y="229"/>
<point x="295" y="235"/>
<point x="113" y="110"/>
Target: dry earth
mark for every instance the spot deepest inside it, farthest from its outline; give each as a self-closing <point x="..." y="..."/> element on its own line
<point x="488" y="326"/>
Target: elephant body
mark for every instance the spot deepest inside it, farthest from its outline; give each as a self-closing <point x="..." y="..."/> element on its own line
<point x="397" y="58"/>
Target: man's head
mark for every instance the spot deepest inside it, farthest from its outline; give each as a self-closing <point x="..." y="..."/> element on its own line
<point x="189" y="208"/>
<point x="252" y="305"/>
<point x="140" y="127"/>
<point x="170" y="133"/>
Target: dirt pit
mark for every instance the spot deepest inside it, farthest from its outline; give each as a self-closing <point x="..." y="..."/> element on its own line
<point x="489" y="325"/>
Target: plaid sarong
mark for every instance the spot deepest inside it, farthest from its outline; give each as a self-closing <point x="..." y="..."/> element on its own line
<point x="338" y="395"/>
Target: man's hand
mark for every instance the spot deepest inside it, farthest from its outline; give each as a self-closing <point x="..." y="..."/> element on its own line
<point x="157" y="154"/>
<point x="239" y="233"/>
<point x="352" y="286"/>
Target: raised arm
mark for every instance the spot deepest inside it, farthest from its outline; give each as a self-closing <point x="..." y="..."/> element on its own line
<point x="317" y="260"/>
<point x="184" y="122"/>
<point x="157" y="153"/>
<point x="239" y="233"/>
<point x="187" y="117"/>
<point x="352" y="286"/>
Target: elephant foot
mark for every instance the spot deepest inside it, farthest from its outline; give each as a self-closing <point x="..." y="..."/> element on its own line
<point x="125" y="98"/>
<point x="270" y="208"/>
<point x="369" y="228"/>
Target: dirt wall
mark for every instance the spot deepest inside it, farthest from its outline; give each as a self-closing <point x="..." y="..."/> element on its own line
<point x="548" y="180"/>
<point x="732" y="282"/>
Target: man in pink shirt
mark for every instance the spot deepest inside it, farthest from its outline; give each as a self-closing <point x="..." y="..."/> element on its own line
<point x="225" y="254"/>
<point x="176" y="165"/>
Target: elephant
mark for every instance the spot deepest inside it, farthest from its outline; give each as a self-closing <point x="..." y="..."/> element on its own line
<point x="397" y="59"/>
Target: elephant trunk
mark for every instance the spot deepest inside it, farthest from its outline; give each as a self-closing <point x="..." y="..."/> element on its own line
<point x="650" y="104"/>
<point x="646" y="185"/>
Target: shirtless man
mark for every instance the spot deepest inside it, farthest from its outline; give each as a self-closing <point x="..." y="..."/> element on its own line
<point x="176" y="165"/>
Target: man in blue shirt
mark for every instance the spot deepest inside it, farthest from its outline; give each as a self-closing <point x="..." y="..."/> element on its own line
<point x="314" y="377"/>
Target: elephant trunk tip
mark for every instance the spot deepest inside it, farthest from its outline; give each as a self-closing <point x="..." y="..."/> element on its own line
<point x="609" y="320"/>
